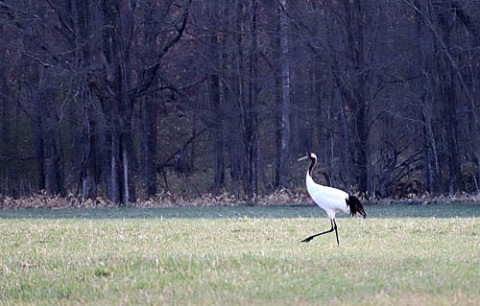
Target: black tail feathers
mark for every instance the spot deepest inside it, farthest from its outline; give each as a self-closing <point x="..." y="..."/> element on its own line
<point x="356" y="206"/>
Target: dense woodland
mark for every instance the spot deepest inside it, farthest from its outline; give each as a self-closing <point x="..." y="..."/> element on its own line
<point x="126" y="100"/>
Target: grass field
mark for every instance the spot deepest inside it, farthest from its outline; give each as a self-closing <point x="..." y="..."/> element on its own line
<point x="400" y="255"/>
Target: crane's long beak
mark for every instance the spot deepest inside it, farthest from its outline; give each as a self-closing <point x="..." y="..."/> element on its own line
<point x="302" y="158"/>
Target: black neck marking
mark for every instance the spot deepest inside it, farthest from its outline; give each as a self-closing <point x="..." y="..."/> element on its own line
<point x="310" y="169"/>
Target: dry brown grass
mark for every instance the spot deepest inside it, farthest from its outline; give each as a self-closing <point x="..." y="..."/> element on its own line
<point x="280" y="197"/>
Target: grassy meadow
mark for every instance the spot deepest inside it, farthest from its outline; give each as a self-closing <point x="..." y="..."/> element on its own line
<point x="400" y="255"/>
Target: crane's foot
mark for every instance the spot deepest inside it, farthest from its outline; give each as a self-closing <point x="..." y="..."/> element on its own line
<point x="307" y="239"/>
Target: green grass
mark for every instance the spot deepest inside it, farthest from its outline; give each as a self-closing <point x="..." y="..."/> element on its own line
<point x="405" y="254"/>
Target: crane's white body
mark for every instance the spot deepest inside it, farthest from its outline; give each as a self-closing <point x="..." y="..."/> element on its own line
<point x="330" y="199"/>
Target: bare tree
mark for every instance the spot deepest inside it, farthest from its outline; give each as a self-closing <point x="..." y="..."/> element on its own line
<point x="112" y="98"/>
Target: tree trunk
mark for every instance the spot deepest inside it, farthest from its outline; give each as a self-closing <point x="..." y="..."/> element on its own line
<point x="149" y="115"/>
<point x="48" y="161"/>
<point x="89" y="179"/>
<point x="345" y="157"/>
<point x="285" y="97"/>
<point x="149" y="141"/>
<point x="120" y="105"/>
<point x="251" y="114"/>
<point x="356" y="93"/>
<point x="446" y="93"/>
<point x="217" y="125"/>
<point x="89" y="162"/>
<point x="53" y="177"/>
<point x="38" y="138"/>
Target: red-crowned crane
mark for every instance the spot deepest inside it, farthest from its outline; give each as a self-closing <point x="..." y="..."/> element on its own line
<point x="331" y="200"/>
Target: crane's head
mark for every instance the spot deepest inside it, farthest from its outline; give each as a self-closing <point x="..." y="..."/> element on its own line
<point x="312" y="156"/>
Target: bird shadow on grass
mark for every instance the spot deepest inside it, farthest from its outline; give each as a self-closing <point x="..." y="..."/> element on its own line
<point x="452" y="210"/>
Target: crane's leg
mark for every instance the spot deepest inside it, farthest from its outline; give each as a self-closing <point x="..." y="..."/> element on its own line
<point x="336" y="232"/>
<point x="334" y="227"/>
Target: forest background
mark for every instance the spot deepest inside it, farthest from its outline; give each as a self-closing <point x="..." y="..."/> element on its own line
<point x="126" y="101"/>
